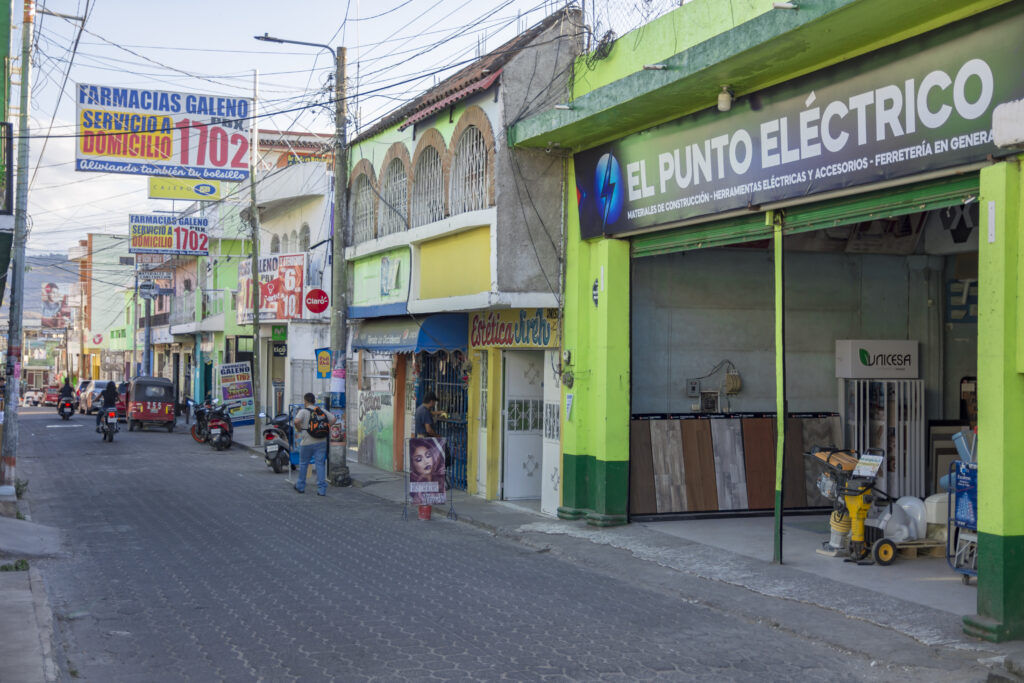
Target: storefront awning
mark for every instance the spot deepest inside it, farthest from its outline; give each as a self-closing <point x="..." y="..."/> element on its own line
<point x="444" y="331"/>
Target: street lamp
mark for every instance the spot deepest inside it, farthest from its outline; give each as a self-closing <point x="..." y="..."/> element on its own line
<point x="339" y="279"/>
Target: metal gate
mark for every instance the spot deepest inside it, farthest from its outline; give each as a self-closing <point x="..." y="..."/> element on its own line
<point x="443" y="376"/>
<point x="304" y="379"/>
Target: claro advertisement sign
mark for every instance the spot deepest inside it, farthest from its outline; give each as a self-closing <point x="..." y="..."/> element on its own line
<point x="919" y="106"/>
<point x="157" y="133"/>
<point x="281" y="288"/>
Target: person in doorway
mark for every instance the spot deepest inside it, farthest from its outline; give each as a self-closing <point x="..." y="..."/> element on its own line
<point x="425" y="415"/>
<point x="109" y="397"/>
<point x="313" y="427"/>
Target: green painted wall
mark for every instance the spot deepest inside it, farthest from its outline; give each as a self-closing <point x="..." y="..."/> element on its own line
<point x="1000" y="405"/>
<point x="5" y="53"/>
<point x="668" y="35"/>
<point x="230" y="252"/>
<point x="595" y="434"/>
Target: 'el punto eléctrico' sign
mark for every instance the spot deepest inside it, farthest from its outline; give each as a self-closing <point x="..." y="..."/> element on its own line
<point x="918" y="106"/>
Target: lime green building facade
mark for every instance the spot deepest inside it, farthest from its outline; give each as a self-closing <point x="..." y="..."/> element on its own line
<point x="690" y="67"/>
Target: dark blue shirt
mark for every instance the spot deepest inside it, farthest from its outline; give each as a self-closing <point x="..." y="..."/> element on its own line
<point x="423" y="418"/>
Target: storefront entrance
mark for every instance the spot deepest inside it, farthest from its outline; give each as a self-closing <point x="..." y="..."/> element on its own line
<point x="703" y="430"/>
<point x="442" y="374"/>
<point x="523" y="425"/>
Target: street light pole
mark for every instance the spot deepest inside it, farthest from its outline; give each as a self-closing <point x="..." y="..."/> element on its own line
<point x="339" y="274"/>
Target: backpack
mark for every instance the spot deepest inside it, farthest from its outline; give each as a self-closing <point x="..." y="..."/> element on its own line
<point x="318" y="426"/>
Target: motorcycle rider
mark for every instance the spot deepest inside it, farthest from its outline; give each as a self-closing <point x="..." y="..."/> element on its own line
<point x="110" y="398"/>
<point x="66" y="392"/>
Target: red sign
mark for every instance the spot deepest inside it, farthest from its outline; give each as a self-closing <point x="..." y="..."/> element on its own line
<point x="280" y="285"/>
<point x="316" y="300"/>
<point x="97" y="338"/>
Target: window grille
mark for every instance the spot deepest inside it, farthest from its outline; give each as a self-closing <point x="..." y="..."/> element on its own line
<point x="394" y="199"/>
<point x="362" y="210"/>
<point x="284" y="243"/>
<point x="304" y="237"/>
<point x="427" y="189"/>
<point x="470" y="173"/>
<point x="295" y="241"/>
<point x="275" y="245"/>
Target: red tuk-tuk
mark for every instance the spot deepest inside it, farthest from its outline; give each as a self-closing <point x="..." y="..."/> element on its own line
<point x="150" y="400"/>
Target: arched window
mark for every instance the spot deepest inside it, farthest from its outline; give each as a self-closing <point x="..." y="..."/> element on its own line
<point x="394" y="199"/>
<point x="284" y="243"/>
<point x="470" y="180"/>
<point x="427" y="189"/>
<point x="362" y="210"/>
<point x="295" y="241"/>
<point x="304" y="237"/>
<point x="275" y="245"/>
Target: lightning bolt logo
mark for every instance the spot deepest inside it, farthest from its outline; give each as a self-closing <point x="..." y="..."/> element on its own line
<point x="607" y="192"/>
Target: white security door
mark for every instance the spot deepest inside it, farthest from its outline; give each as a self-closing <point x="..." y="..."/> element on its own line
<point x="523" y="451"/>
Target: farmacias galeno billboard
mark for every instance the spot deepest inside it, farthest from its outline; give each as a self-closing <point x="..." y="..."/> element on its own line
<point x="157" y="133"/>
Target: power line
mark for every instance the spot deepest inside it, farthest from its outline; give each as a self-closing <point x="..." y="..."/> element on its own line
<point x="53" y="117"/>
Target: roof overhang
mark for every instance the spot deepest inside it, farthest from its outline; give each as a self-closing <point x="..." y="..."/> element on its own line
<point x="441" y="332"/>
<point x="771" y="48"/>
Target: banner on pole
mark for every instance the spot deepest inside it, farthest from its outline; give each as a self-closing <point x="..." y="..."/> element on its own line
<point x="236" y="387"/>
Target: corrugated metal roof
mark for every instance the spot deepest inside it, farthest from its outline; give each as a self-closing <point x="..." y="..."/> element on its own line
<point x="464" y="82"/>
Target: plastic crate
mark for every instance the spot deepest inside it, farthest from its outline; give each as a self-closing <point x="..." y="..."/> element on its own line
<point x="964" y="489"/>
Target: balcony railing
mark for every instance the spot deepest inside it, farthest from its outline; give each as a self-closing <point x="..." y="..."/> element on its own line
<point x="214" y="303"/>
<point x="183" y="309"/>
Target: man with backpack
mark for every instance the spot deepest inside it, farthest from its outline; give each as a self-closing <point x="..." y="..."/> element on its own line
<point x="313" y="427"/>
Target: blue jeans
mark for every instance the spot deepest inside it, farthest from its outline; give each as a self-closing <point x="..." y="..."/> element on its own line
<point x="317" y="454"/>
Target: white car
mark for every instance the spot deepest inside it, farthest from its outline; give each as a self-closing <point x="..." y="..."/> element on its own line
<point x="33" y="397"/>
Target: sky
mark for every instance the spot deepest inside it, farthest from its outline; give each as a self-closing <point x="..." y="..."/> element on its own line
<point x="208" y="47"/>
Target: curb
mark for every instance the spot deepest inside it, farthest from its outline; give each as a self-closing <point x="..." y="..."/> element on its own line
<point x="44" y="623"/>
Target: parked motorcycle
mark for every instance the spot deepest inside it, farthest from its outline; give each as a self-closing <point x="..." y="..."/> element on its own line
<point x="218" y="421"/>
<point x="108" y="424"/>
<point x="201" y="427"/>
<point x="67" y="409"/>
<point x="278" y="436"/>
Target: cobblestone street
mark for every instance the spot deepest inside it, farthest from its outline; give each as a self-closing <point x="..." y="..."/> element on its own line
<point x="185" y="564"/>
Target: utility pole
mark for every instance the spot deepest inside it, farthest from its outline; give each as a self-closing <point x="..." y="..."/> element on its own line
<point x="339" y="274"/>
<point x="81" y="325"/>
<point x="9" y="440"/>
<point x="134" y="371"/>
<point x="254" y="221"/>
<point x="148" y="347"/>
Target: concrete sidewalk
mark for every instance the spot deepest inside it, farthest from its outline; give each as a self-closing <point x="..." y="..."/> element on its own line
<point x="26" y="621"/>
<point x="876" y="598"/>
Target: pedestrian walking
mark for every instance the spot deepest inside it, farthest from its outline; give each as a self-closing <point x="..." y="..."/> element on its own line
<point x="313" y="426"/>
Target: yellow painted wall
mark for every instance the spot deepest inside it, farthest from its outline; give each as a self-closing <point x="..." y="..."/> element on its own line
<point x="456" y="265"/>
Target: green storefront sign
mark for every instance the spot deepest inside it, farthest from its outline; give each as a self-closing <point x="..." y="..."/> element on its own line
<point x="381" y="284"/>
<point x="919" y="106"/>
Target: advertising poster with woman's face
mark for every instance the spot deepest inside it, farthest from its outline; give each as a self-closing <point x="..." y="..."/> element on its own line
<point x="426" y="471"/>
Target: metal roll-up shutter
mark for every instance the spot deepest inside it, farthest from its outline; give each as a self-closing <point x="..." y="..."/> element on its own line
<point x="881" y="204"/>
<point x="716" y="234"/>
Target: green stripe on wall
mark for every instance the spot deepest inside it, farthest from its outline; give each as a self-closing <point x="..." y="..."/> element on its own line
<point x="1000" y="589"/>
<point x="597" y="490"/>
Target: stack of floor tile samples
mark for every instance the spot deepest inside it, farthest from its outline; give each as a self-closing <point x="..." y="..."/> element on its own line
<point x="701" y="464"/>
